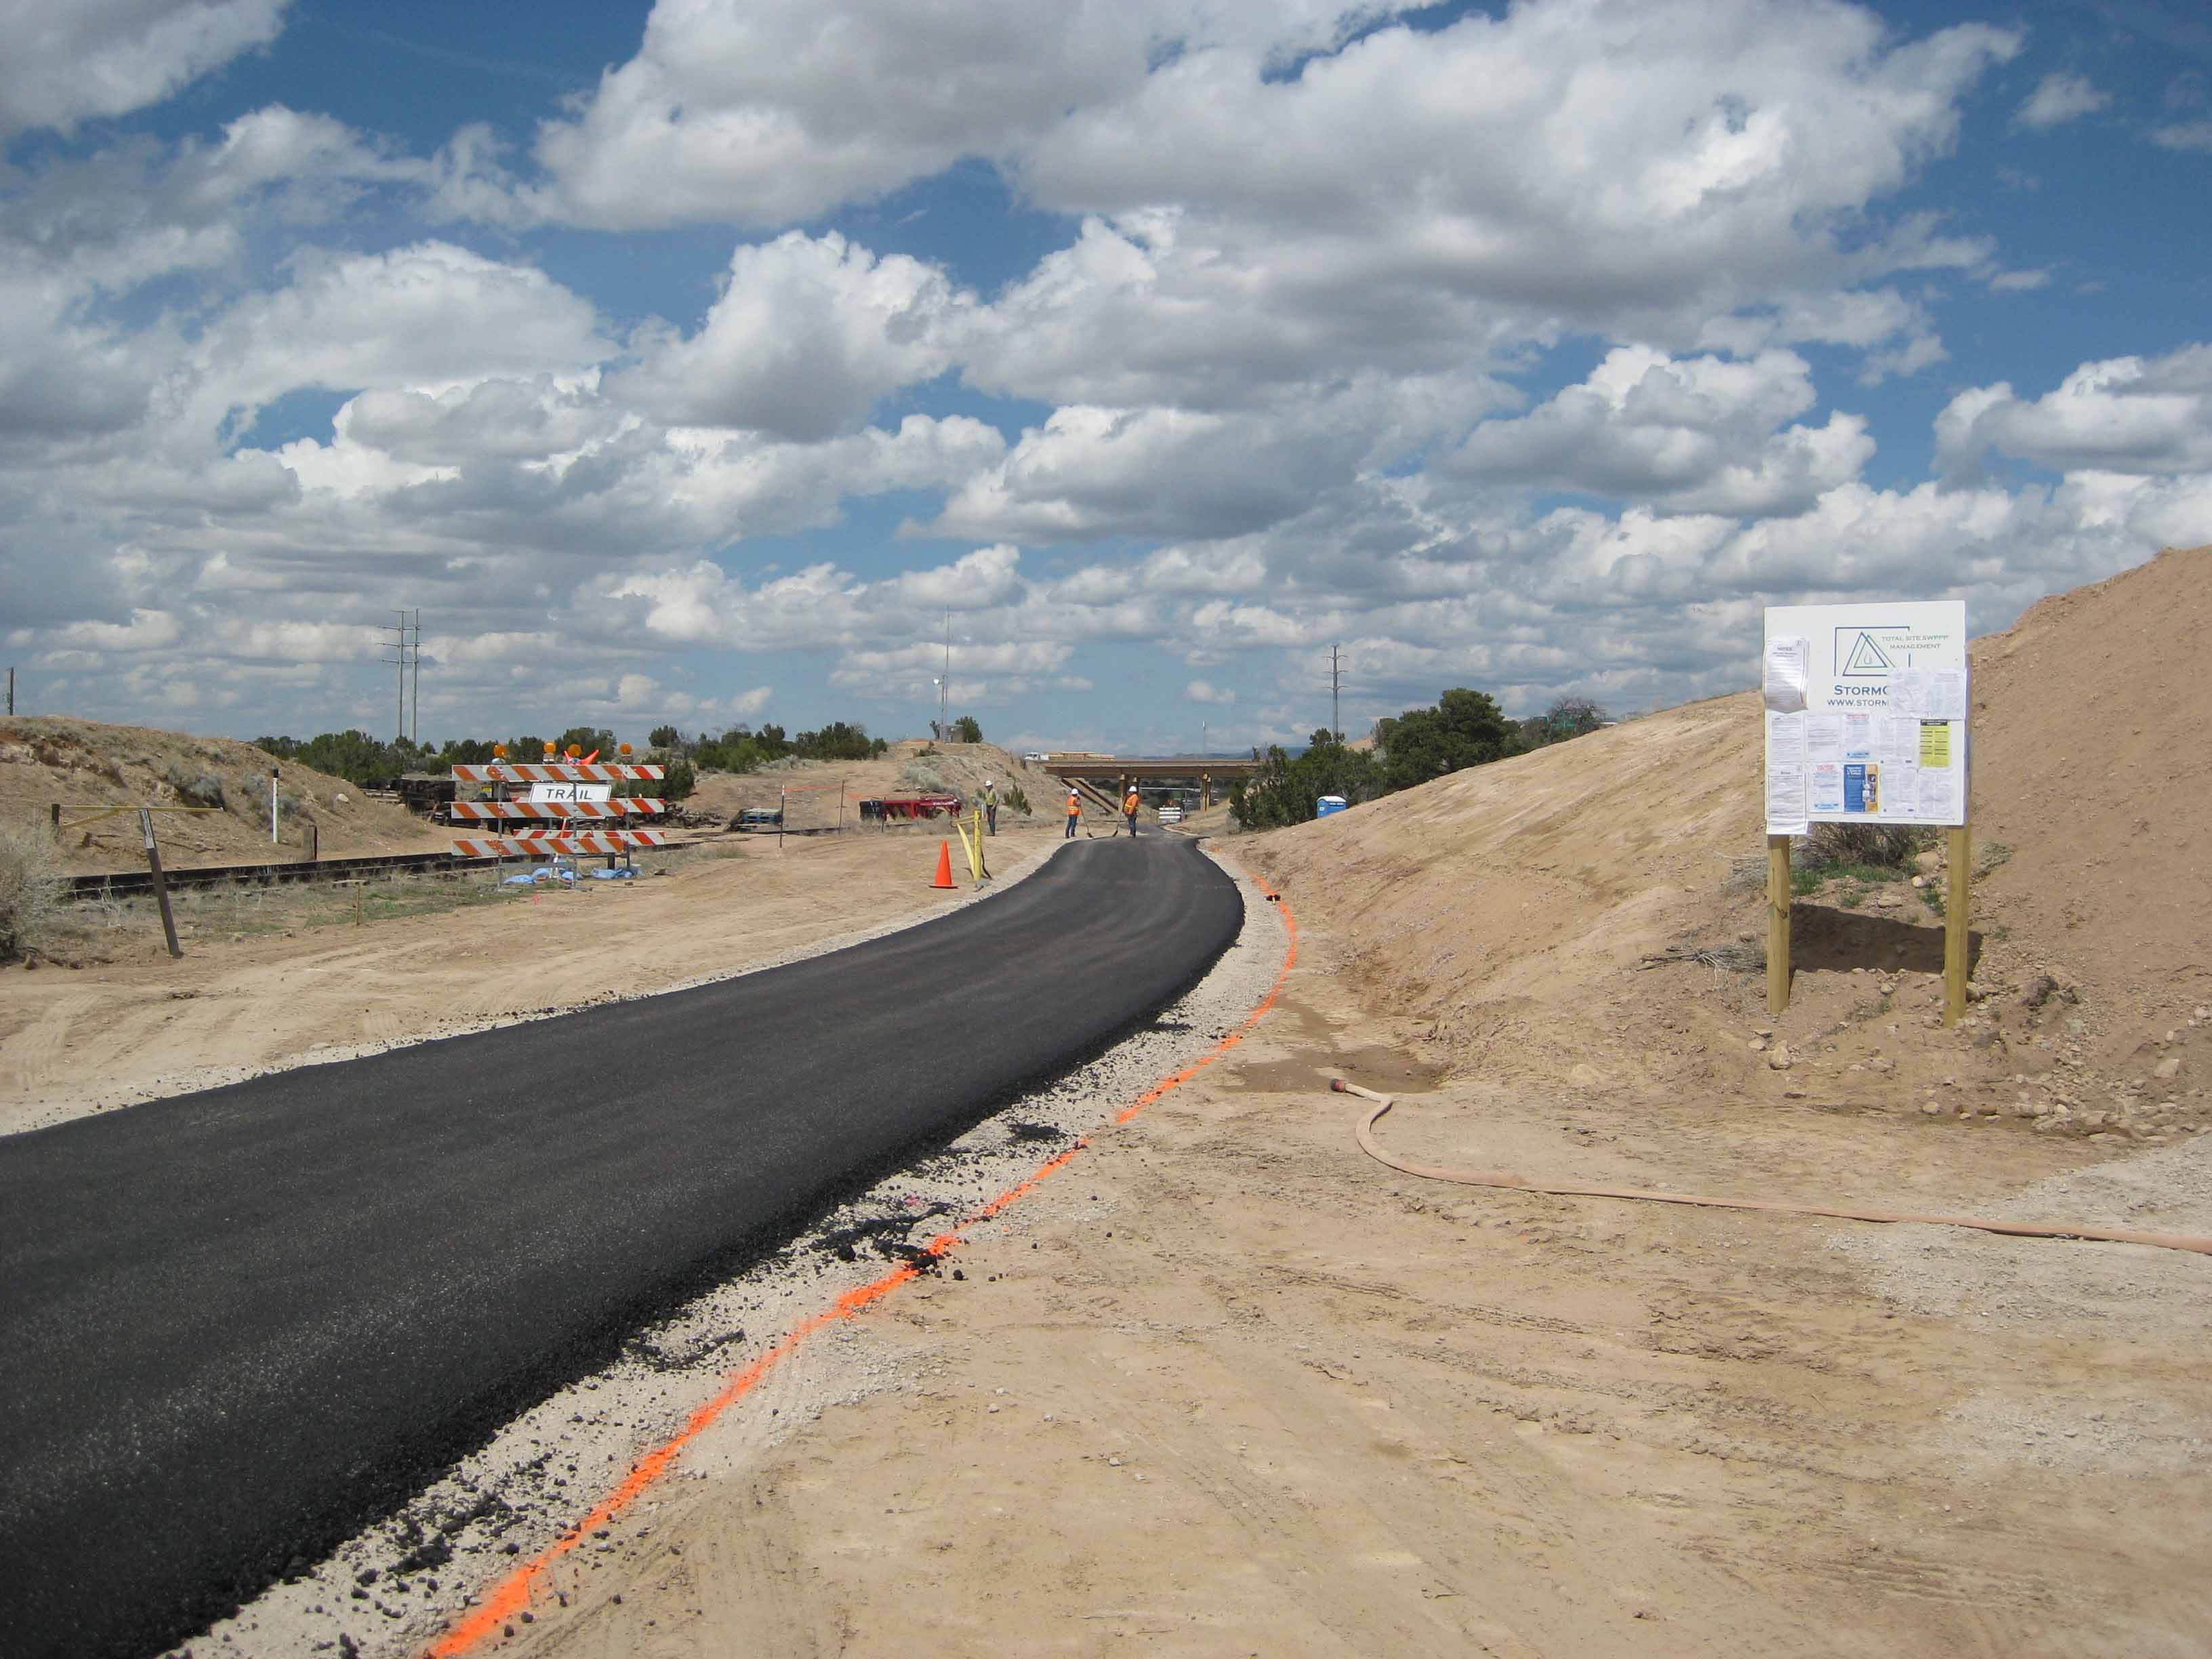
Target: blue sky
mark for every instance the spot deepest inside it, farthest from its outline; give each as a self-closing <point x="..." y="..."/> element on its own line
<point x="705" y="362"/>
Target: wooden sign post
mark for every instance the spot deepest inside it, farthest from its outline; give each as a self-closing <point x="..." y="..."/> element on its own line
<point x="1958" y="907"/>
<point x="1778" y="899"/>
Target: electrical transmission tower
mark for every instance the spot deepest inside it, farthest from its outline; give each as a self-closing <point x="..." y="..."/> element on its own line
<point x="407" y="657"/>
<point x="1336" y="692"/>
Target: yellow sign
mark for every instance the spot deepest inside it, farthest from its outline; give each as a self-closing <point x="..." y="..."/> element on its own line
<point x="1936" y="745"/>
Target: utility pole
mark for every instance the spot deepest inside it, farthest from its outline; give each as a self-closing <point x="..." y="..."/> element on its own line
<point x="407" y="647"/>
<point x="945" y="686"/>
<point x="1336" y="692"/>
<point x="416" y="719"/>
<point x="11" y="687"/>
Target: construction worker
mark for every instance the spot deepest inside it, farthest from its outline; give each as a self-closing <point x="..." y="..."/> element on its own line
<point x="990" y="806"/>
<point x="1074" y="814"/>
<point x="1129" y="805"/>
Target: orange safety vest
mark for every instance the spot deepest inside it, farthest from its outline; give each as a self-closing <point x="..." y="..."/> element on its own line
<point x="1130" y="803"/>
<point x="1074" y="807"/>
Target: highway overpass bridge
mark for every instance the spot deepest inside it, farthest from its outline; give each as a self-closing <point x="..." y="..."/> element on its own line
<point x="1115" y="772"/>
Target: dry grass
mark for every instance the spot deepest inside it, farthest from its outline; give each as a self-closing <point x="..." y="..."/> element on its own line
<point x="30" y="891"/>
<point x="1877" y="846"/>
<point x="92" y="928"/>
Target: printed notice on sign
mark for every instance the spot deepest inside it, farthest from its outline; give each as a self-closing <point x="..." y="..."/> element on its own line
<point x="1929" y="694"/>
<point x="1786" y="774"/>
<point x="1781" y="684"/>
<point x="1887" y="695"/>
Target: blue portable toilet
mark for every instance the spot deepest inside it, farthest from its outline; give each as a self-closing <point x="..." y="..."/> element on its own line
<point x="1328" y="804"/>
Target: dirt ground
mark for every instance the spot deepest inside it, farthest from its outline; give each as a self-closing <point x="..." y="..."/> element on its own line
<point x="1228" y="1386"/>
<point x="813" y="791"/>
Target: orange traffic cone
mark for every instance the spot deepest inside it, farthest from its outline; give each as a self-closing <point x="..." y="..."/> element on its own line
<point x="943" y="864"/>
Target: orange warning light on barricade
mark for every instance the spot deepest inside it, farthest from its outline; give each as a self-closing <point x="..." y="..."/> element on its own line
<point x="499" y="751"/>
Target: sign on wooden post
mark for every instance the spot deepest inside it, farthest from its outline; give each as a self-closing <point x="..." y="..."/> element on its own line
<point x="1865" y="709"/>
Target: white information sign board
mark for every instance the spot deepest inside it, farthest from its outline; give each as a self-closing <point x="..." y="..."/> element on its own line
<point x="1865" y="707"/>
<point x="564" y="795"/>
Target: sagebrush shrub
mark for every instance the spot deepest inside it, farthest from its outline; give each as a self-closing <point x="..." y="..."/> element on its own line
<point x="1889" y="847"/>
<point x="30" y="889"/>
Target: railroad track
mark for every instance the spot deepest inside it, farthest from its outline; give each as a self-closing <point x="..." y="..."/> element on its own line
<point x="127" y="883"/>
<point x="124" y="884"/>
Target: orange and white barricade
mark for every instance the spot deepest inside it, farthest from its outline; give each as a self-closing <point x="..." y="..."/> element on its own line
<point x="580" y="840"/>
<point x="485" y="811"/>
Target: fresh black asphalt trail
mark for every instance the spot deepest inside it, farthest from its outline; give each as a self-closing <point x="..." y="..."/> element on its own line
<point x="238" y="1326"/>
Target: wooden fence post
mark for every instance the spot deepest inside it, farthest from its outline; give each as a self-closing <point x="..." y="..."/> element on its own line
<point x="161" y="887"/>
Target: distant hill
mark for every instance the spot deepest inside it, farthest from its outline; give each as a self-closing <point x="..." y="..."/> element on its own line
<point x="88" y="765"/>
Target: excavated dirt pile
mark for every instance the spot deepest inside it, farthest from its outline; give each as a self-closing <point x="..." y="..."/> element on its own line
<point x="86" y="765"/>
<point x="809" y="789"/>
<point x="1591" y="917"/>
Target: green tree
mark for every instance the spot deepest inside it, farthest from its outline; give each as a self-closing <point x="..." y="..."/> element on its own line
<point x="1576" y="717"/>
<point x="351" y="755"/>
<point x="735" y="750"/>
<point x="1289" y="791"/>
<point x="1465" y="728"/>
<point x="665" y="737"/>
<point x="464" y="751"/>
<point x="772" y="742"/>
<point x="589" y="739"/>
<point x="1567" y="717"/>
<point x="838" y="740"/>
<point x="967" y="729"/>
<point x="678" y="782"/>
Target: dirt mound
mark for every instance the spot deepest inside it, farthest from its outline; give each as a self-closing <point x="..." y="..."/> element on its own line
<point x="2092" y="766"/>
<point x="912" y="766"/>
<point x="1590" y="916"/>
<point x="86" y="766"/>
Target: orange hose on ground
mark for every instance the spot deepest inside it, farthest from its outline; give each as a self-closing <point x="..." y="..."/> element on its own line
<point x="1510" y="1181"/>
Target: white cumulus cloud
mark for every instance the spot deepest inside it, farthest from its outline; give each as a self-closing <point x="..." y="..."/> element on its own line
<point x="807" y="335"/>
<point x="2059" y="97"/>
<point x="66" y="62"/>
<point x="2144" y="416"/>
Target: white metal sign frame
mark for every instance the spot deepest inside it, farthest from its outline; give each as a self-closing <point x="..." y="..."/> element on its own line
<point x="1866" y="714"/>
